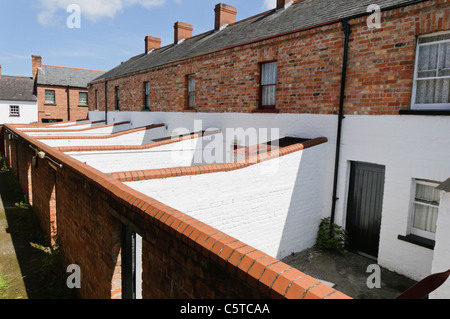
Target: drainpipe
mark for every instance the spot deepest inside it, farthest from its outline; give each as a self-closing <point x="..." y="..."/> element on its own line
<point x="68" y="103"/>
<point x="341" y="116"/>
<point x="106" y="102"/>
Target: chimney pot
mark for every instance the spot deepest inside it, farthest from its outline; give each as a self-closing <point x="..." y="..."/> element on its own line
<point x="225" y="15"/>
<point x="36" y="62"/>
<point x="182" y="31"/>
<point x="152" y="43"/>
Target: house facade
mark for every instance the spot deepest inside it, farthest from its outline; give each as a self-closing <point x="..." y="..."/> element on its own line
<point x="380" y="95"/>
<point x="62" y="91"/>
<point x="18" y="100"/>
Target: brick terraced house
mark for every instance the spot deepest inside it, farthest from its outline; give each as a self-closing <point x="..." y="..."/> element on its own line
<point x="62" y="91"/>
<point x="207" y="161"/>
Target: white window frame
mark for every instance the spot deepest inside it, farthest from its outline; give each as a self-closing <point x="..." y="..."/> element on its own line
<point x="16" y="112"/>
<point x="435" y="106"/>
<point x="79" y="98"/>
<point x="53" y="102"/>
<point x="412" y="230"/>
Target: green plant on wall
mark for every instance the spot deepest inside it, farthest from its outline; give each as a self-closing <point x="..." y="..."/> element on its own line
<point x="331" y="236"/>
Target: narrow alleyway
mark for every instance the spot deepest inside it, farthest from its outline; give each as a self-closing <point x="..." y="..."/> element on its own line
<point x="29" y="269"/>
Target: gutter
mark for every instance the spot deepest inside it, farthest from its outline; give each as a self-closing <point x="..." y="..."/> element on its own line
<point x="68" y="103"/>
<point x="341" y="117"/>
<point x="106" y="102"/>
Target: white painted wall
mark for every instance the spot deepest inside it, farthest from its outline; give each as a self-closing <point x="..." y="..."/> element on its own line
<point x="274" y="206"/>
<point x="170" y="155"/>
<point x="28" y="112"/>
<point x="441" y="261"/>
<point x="410" y="147"/>
<point x="297" y="125"/>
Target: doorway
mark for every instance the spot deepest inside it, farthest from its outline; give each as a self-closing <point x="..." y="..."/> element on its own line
<point x="365" y="203"/>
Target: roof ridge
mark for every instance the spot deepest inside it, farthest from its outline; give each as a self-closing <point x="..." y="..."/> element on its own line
<point x="16" y="76"/>
<point x="70" y="67"/>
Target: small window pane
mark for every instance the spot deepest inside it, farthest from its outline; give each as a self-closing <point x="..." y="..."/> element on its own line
<point x="428" y="194"/>
<point x="425" y="217"/>
<point x="83" y="98"/>
<point x="14" y="110"/>
<point x="269" y="73"/>
<point x="49" y="97"/>
<point x="428" y="57"/>
<point x="268" y="95"/>
<point x="433" y="91"/>
<point x="191" y="85"/>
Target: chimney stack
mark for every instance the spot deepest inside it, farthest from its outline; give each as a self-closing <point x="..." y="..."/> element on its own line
<point x="152" y="43"/>
<point x="283" y="3"/>
<point x="36" y="62"/>
<point x="225" y="15"/>
<point x="182" y="31"/>
<point x="0" y="71"/>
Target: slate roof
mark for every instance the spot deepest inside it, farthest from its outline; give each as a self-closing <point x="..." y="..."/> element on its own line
<point x="17" y="88"/>
<point x="65" y="76"/>
<point x="300" y="15"/>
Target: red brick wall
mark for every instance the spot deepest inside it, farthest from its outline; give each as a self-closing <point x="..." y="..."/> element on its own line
<point x="380" y="70"/>
<point x="59" y="111"/>
<point x="182" y="257"/>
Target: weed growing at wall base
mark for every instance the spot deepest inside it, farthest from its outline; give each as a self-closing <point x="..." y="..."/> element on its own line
<point x="331" y="236"/>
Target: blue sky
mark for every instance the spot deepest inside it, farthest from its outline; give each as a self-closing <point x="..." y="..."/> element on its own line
<point x="111" y="31"/>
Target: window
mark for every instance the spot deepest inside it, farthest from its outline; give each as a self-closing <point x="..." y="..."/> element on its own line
<point x="191" y="91"/>
<point x="432" y="73"/>
<point x="425" y="208"/>
<point x="83" y="98"/>
<point x="117" y="98"/>
<point x="50" y="97"/>
<point x="268" y="85"/>
<point x="96" y="100"/>
<point x="14" y="110"/>
<point x="146" y="95"/>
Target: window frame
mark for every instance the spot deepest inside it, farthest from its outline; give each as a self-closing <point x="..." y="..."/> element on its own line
<point x="411" y="229"/>
<point x="191" y="93"/>
<point x="262" y="86"/>
<point x="421" y="106"/>
<point x="14" y="114"/>
<point x="146" y="96"/>
<point x="79" y="99"/>
<point x="117" y="98"/>
<point x="47" y="102"/>
<point x="97" y="104"/>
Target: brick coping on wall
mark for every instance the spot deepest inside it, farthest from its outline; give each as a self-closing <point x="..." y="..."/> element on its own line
<point x="99" y="148"/>
<point x="58" y="124"/>
<point x="139" y="175"/>
<point x="262" y="272"/>
<point x="68" y="130"/>
<point x="92" y="137"/>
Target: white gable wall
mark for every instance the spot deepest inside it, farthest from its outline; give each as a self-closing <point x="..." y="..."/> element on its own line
<point x="28" y="112"/>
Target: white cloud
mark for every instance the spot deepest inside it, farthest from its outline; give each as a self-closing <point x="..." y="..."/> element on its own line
<point x="269" y="4"/>
<point x="90" y="9"/>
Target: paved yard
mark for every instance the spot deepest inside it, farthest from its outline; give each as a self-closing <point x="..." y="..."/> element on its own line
<point x="348" y="273"/>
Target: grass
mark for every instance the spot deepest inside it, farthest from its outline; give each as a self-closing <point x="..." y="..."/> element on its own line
<point x="4" y="285"/>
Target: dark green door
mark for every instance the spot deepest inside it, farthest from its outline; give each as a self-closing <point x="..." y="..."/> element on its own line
<point x="365" y="203"/>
